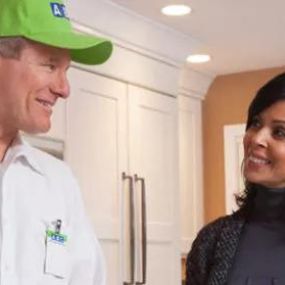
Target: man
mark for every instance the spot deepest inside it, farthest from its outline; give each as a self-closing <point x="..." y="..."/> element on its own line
<point x="45" y="238"/>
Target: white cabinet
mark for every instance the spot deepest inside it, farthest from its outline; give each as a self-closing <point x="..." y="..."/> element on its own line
<point x="190" y="170"/>
<point x="113" y="128"/>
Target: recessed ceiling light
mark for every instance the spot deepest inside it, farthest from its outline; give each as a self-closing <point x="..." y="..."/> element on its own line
<point x="198" y="58"/>
<point x="176" y="10"/>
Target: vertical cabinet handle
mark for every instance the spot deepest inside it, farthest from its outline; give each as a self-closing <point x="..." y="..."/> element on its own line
<point x="143" y="229"/>
<point x="132" y="229"/>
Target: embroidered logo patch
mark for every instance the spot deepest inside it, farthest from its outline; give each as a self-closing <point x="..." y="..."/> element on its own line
<point x="56" y="237"/>
<point x="58" y="10"/>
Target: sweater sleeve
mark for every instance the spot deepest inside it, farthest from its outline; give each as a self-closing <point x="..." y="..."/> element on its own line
<point x="199" y="258"/>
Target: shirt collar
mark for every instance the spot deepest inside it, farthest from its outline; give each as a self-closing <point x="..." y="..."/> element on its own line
<point x="19" y="148"/>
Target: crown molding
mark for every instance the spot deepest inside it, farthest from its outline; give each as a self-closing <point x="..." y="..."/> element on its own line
<point x="156" y="46"/>
<point x="194" y="84"/>
<point x="131" y="30"/>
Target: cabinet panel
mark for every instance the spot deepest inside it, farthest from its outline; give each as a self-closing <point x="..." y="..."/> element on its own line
<point x="153" y="155"/>
<point x="153" y="151"/>
<point x="96" y="150"/>
<point x="96" y="120"/>
<point x="160" y="266"/>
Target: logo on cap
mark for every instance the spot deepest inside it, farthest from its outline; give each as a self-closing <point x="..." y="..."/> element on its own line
<point x="58" y="10"/>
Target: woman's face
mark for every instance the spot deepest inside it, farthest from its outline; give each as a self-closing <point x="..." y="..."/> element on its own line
<point x="264" y="147"/>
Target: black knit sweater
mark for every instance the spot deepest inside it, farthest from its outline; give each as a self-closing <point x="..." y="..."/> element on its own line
<point x="213" y="251"/>
<point x="217" y="246"/>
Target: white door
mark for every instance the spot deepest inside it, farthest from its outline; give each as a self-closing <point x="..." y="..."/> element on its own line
<point x="96" y="149"/>
<point x="153" y="157"/>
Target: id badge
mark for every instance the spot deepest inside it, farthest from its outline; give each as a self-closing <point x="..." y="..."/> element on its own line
<point x="56" y="254"/>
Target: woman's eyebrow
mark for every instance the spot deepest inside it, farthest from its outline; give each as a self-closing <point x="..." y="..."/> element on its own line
<point x="279" y="121"/>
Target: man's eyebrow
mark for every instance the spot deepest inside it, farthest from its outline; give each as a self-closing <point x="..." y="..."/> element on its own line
<point x="53" y="59"/>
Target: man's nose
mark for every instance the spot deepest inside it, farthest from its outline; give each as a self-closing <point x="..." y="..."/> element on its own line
<point x="60" y="86"/>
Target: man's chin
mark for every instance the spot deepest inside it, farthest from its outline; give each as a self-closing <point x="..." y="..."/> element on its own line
<point x="38" y="129"/>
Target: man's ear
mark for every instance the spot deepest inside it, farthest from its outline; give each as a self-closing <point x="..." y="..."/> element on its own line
<point x="1" y="60"/>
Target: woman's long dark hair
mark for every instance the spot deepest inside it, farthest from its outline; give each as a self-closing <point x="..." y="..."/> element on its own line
<point x="272" y="92"/>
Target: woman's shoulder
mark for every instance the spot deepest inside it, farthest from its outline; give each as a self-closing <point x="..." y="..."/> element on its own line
<point x="216" y="226"/>
<point x="210" y="233"/>
<point x="200" y="256"/>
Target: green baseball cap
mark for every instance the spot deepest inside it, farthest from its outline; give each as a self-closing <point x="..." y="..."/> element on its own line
<point x="46" y="21"/>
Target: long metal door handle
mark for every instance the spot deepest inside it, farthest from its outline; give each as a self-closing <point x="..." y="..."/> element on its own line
<point x="132" y="229"/>
<point x="143" y="229"/>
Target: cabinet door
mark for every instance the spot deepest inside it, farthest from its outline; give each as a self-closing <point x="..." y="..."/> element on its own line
<point x="153" y="156"/>
<point x="96" y="149"/>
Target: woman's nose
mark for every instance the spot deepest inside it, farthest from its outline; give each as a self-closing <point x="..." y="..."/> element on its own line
<point x="260" y="137"/>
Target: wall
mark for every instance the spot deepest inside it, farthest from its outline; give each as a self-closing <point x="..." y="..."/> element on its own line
<point x="226" y="103"/>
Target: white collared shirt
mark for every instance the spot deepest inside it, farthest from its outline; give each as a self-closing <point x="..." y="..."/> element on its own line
<point x="36" y="191"/>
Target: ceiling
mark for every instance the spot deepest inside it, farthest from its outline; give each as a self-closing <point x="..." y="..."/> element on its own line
<point x="240" y="35"/>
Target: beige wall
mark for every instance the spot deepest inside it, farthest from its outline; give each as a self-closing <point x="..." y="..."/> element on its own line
<point x="226" y="103"/>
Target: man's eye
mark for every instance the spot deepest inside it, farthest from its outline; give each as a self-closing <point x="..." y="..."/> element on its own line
<point x="49" y="66"/>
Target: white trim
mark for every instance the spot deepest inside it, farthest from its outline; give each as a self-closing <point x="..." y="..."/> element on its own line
<point x="191" y="93"/>
<point x="194" y="84"/>
<point x="233" y="155"/>
<point x="190" y="159"/>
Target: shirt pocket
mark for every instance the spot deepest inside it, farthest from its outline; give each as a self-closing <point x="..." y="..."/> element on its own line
<point x="57" y="259"/>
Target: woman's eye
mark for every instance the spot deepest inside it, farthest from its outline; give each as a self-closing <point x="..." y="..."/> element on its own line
<point x="279" y="132"/>
<point x="255" y="123"/>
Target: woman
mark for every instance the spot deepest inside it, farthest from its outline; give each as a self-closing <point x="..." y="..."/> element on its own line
<point x="248" y="247"/>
